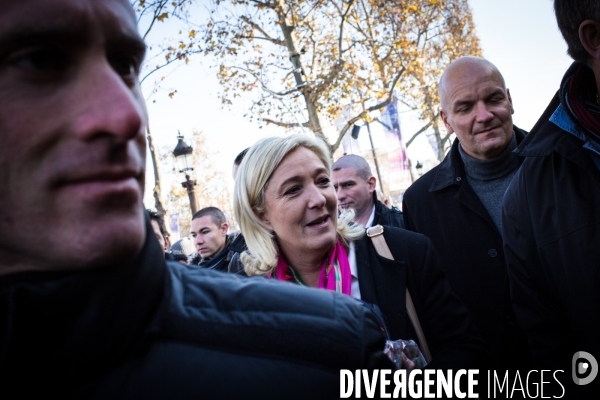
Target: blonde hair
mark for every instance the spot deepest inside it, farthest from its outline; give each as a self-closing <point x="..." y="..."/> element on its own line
<point x="254" y="173"/>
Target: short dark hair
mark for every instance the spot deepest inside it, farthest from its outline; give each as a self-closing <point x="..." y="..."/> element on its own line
<point x="358" y="163"/>
<point x="160" y="220"/>
<point x="569" y="15"/>
<point x="240" y="157"/>
<point x="217" y="216"/>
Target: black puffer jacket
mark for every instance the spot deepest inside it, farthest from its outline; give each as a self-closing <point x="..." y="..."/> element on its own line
<point x="143" y="329"/>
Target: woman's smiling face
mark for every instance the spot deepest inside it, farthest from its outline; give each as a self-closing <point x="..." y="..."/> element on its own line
<point x="301" y="205"/>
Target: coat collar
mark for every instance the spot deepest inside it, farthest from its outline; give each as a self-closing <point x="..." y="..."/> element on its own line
<point x="451" y="170"/>
<point x="84" y="320"/>
<point x="546" y="138"/>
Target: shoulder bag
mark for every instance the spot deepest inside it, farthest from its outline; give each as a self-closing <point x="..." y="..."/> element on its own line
<point x="376" y="235"/>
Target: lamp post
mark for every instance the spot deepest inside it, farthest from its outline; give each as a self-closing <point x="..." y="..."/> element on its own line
<point x="419" y="168"/>
<point x="183" y="155"/>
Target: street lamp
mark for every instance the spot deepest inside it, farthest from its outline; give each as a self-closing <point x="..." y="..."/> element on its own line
<point x="419" y="168"/>
<point x="183" y="156"/>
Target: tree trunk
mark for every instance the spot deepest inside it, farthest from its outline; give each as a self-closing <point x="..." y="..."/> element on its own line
<point x="440" y="144"/>
<point x="313" y="116"/>
<point x="156" y="191"/>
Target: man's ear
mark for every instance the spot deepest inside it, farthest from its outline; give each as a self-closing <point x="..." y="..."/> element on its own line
<point x="445" y="120"/>
<point x="372" y="182"/>
<point x="589" y="35"/>
<point x="224" y="228"/>
<point x="512" y="110"/>
<point x="167" y="243"/>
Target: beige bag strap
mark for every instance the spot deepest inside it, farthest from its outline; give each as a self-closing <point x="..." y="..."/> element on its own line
<point x="376" y="235"/>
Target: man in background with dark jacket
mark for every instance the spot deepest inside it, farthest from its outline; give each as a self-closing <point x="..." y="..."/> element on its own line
<point x="551" y="216"/>
<point x="160" y="231"/>
<point x="458" y="204"/>
<point x="211" y="238"/>
<point x="355" y="188"/>
<point x="93" y="310"/>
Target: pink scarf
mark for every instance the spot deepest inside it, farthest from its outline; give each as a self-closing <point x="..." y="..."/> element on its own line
<point x="335" y="272"/>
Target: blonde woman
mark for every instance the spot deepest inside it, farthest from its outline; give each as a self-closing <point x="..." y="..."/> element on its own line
<point x="287" y="210"/>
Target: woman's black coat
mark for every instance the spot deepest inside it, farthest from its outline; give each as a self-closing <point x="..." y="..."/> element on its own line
<point x="452" y="337"/>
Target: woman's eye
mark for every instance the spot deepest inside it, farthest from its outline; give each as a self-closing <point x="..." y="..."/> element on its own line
<point x="324" y="181"/>
<point x="292" y="190"/>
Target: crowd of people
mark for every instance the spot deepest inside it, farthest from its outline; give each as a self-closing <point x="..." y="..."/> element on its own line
<point x="492" y="263"/>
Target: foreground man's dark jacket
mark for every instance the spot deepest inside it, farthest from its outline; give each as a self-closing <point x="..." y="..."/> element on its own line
<point x="551" y="228"/>
<point x="442" y="206"/>
<point x="143" y="329"/>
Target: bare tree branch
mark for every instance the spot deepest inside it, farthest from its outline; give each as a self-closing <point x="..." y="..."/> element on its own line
<point x="157" y="12"/>
<point x="377" y="106"/>
<point x="287" y="124"/>
<point x="343" y="53"/>
<point x="261" y="30"/>
<point x="176" y="58"/>
<point x="314" y="7"/>
<point x="341" y="35"/>
<point x="423" y="129"/>
<point x="264" y="86"/>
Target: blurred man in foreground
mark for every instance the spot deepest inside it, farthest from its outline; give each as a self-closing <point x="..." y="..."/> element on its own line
<point x="93" y="309"/>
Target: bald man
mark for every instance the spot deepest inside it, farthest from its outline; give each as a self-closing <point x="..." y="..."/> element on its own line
<point x="458" y="204"/>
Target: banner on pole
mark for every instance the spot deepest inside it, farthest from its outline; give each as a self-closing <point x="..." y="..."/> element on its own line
<point x="349" y="144"/>
<point x="399" y="167"/>
<point x="174" y="227"/>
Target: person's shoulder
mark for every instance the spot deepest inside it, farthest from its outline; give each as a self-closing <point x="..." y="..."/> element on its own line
<point x="397" y="234"/>
<point x="253" y="313"/>
<point x="230" y="294"/>
<point x="422" y="185"/>
<point x="238" y="243"/>
<point x="232" y="289"/>
<point x="394" y="210"/>
<point x="403" y="241"/>
<point x="388" y="215"/>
